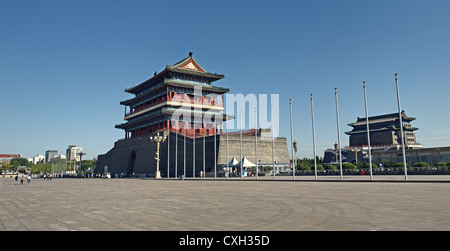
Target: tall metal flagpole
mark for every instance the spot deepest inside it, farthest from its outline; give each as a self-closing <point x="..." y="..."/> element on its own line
<point x="273" y="143"/>
<point x="176" y="151"/>
<point x="228" y="168"/>
<point x="168" y="153"/>
<point x="401" y="127"/>
<point x="215" y="145"/>
<point x="256" y="141"/>
<point x="204" y="162"/>
<point x="314" y="138"/>
<point x="226" y="132"/>
<point x="368" y="134"/>
<point x="240" y="128"/>
<point x="193" y="154"/>
<point x="338" y="131"/>
<point x="292" y="141"/>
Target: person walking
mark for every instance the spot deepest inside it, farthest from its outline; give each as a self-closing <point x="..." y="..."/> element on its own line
<point x="21" y="180"/>
<point x="16" y="180"/>
<point x="28" y="179"/>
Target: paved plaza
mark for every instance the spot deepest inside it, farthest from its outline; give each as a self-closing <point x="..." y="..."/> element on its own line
<point x="421" y="203"/>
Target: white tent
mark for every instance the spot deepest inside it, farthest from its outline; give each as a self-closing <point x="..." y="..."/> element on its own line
<point x="233" y="163"/>
<point x="246" y="163"/>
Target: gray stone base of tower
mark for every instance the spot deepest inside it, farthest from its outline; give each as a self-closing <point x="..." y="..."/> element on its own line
<point x="137" y="155"/>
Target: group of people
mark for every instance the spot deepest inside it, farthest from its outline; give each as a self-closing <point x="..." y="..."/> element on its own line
<point x="45" y="176"/>
<point x="22" y="178"/>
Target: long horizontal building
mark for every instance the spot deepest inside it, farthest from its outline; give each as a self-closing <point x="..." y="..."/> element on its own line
<point x="8" y="157"/>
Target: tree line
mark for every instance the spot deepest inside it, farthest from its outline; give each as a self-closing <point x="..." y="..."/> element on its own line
<point x="59" y="165"/>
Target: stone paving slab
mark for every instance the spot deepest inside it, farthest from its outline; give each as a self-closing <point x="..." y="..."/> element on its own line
<point x="421" y="203"/>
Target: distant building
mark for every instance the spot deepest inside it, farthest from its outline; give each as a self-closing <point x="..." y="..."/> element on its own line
<point x="385" y="136"/>
<point x="384" y="130"/>
<point x="60" y="156"/>
<point x="39" y="159"/>
<point x="8" y="157"/>
<point x="50" y="155"/>
<point x="73" y="153"/>
<point x="430" y="155"/>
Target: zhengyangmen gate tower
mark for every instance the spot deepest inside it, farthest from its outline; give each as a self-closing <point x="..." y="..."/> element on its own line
<point x="182" y="104"/>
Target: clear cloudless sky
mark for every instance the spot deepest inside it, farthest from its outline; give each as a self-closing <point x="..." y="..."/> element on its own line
<point x="64" y="64"/>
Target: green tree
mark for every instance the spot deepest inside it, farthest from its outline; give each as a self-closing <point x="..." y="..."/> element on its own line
<point x="305" y="164"/>
<point x="319" y="167"/>
<point x="331" y="167"/>
<point x="387" y="162"/>
<point x="45" y="168"/>
<point x="5" y="166"/>
<point x="374" y="166"/>
<point x="16" y="162"/>
<point x="86" y="164"/>
<point x="421" y="164"/>
<point x="348" y="166"/>
<point x="400" y="164"/>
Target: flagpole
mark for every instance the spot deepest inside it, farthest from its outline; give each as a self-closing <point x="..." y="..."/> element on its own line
<point x="193" y="153"/>
<point x="314" y="138"/>
<point x="215" y="146"/>
<point x="204" y="164"/>
<point x="273" y="143"/>
<point x="292" y="141"/>
<point x="256" y="141"/>
<point x="228" y="168"/>
<point x="368" y="134"/>
<point x="240" y="127"/>
<point x="338" y="131"/>
<point x="401" y="126"/>
<point x="176" y="151"/>
<point x="168" y="153"/>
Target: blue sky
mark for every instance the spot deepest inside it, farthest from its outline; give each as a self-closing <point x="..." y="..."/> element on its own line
<point x="64" y="65"/>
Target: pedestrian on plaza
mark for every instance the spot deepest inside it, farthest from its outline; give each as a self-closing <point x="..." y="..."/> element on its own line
<point x="28" y="179"/>
<point x="21" y="180"/>
<point x="16" y="180"/>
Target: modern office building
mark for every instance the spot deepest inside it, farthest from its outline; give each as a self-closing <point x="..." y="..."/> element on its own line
<point x="73" y="153"/>
<point x="50" y="155"/>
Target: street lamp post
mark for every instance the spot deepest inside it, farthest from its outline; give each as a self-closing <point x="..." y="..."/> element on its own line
<point x="81" y="156"/>
<point x="158" y="139"/>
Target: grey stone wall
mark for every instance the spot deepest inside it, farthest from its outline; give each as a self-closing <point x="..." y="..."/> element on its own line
<point x="120" y="158"/>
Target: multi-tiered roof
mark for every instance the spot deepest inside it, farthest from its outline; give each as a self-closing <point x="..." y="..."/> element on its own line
<point x="384" y="130"/>
<point x="176" y="88"/>
<point x="386" y="122"/>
